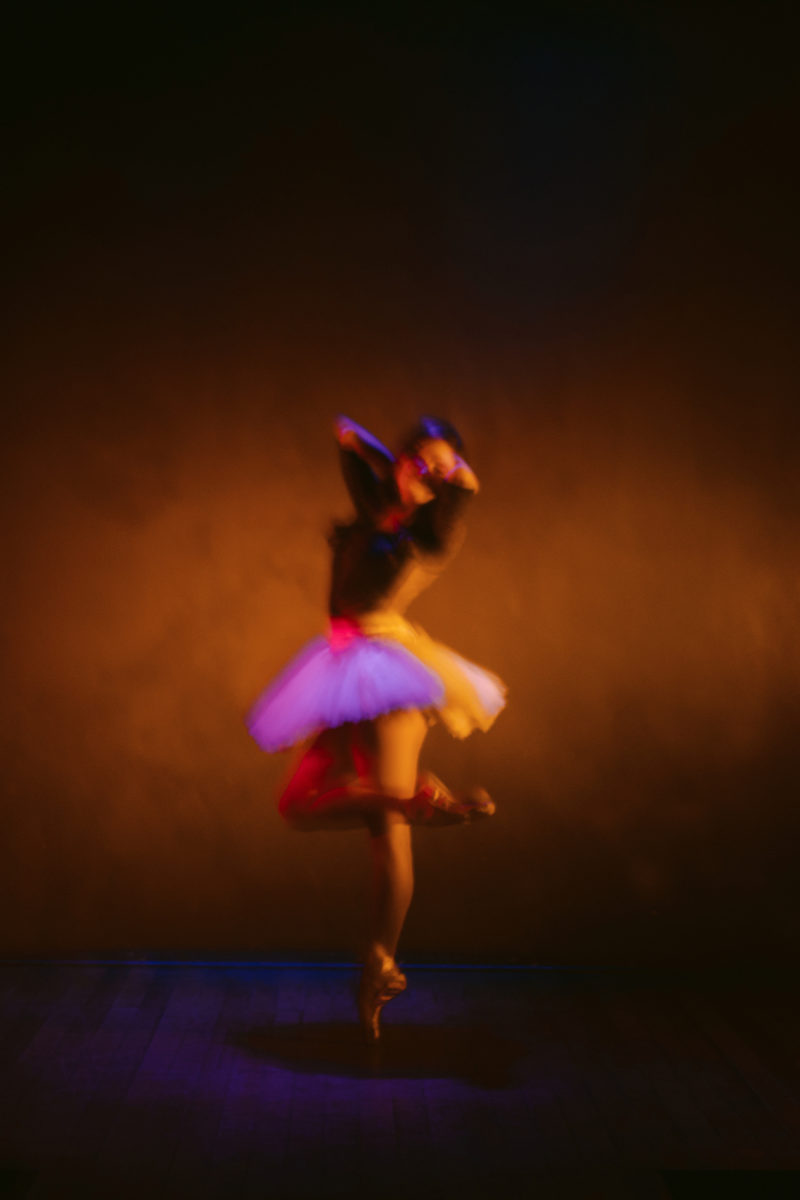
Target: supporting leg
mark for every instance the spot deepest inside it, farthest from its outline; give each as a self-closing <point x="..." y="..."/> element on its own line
<point x="398" y="741"/>
<point x="367" y="775"/>
<point x="392" y="883"/>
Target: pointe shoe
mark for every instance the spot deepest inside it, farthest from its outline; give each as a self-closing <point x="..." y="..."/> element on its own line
<point x="434" y="804"/>
<point x="378" y="985"/>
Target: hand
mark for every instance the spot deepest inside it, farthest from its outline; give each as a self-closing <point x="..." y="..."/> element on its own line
<point x="354" y="437"/>
<point x="463" y="476"/>
<point x="346" y="433"/>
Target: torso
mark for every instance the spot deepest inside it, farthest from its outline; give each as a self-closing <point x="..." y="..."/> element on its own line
<point x="381" y="563"/>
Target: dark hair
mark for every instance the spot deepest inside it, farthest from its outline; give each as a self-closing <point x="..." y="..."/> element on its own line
<point x="428" y="428"/>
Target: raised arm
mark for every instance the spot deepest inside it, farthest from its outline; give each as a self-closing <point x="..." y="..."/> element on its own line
<point x="366" y="465"/>
<point x="363" y="443"/>
<point x="439" y="524"/>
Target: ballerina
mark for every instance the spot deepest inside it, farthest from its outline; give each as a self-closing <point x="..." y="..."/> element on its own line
<point x="360" y="700"/>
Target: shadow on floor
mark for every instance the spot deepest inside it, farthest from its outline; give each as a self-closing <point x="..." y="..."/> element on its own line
<point x="471" y="1053"/>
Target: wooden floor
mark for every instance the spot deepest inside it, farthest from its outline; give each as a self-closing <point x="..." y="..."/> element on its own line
<point x="222" y="1081"/>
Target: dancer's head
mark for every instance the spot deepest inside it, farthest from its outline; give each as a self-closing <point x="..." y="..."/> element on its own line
<point x="427" y="455"/>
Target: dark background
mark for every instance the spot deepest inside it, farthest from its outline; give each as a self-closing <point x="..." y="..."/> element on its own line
<point x="573" y="235"/>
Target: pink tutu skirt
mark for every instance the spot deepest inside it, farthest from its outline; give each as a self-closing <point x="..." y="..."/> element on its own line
<point x="378" y="664"/>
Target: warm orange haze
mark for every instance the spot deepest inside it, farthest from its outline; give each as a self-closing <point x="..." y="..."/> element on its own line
<point x="629" y="569"/>
<point x="574" y="245"/>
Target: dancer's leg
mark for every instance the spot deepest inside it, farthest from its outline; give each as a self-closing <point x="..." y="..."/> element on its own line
<point x="392" y="884"/>
<point x="398" y="741"/>
<point x="398" y="738"/>
<point x="350" y="776"/>
<point x="327" y="788"/>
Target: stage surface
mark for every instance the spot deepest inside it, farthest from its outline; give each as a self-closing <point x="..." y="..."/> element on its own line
<point x="241" y="1080"/>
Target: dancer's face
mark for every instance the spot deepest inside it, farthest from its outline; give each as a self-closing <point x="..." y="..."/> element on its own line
<point x="434" y="460"/>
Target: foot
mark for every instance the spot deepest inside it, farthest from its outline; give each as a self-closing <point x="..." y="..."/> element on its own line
<point x="434" y="804"/>
<point x="380" y="981"/>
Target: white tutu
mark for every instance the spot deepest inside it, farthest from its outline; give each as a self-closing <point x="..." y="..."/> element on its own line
<point x="379" y="664"/>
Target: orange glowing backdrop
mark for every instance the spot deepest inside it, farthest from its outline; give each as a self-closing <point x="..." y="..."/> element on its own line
<point x="571" y="245"/>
